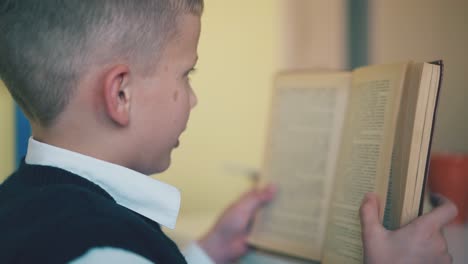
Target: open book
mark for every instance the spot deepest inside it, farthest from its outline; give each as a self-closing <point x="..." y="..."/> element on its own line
<point x="335" y="136"/>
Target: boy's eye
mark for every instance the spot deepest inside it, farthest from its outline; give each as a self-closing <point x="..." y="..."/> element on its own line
<point x="189" y="72"/>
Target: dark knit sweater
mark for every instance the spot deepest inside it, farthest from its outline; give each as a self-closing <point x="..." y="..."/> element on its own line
<point x="49" y="215"/>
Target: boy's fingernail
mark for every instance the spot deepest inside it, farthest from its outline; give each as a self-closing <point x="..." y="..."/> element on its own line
<point x="366" y="198"/>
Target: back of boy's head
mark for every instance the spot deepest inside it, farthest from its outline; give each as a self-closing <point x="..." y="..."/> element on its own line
<point x="47" y="46"/>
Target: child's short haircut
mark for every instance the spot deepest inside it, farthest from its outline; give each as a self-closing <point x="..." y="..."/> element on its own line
<point x="46" y="46"/>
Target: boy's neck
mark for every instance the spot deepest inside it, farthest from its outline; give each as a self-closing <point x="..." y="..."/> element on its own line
<point x="87" y="141"/>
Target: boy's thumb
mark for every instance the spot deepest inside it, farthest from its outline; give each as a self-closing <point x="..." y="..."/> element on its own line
<point x="261" y="197"/>
<point x="369" y="213"/>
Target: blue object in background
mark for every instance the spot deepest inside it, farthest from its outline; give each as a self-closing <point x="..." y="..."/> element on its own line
<point x="23" y="132"/>
<point x="358" y="33"/>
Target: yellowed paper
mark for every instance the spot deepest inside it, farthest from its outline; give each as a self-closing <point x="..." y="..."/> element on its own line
<point x="307" y="117"/>
<point x="365" y="157"/>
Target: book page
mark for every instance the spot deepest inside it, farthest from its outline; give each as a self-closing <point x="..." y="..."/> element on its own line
<point x="411" y="144"/>
<point x="427" y="118"/>
<point x="403" y="146"/>
<point x="306" y="120"/>
<point x="365" y="156"/>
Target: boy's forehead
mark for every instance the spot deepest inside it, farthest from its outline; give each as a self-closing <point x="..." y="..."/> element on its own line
<point x="183" y="46"/>
<point x="188" y="30"/>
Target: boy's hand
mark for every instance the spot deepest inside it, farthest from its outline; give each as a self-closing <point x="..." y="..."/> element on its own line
<point x="421" y="241"/>
<point x="227" y="240"/>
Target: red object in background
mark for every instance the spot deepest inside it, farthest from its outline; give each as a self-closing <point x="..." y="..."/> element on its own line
<point x="448" y="175"/>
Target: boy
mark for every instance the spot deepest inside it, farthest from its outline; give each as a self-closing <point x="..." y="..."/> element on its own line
<point x="105" y="85"/>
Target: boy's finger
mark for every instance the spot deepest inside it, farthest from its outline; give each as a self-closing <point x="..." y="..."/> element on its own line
<point x="369" y="213"/>
<point x="262" y="196"/>
<point x="267" y="193"/>
<point x="443" y="214"/>
<point x="253" y="200"/>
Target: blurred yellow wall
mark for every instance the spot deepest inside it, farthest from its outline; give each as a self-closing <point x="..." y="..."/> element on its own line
<point x="238" y="57"/>
<point x="6" y="133"/>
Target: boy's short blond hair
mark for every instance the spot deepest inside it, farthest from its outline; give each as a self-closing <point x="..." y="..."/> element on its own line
<point x="47" y="46"/>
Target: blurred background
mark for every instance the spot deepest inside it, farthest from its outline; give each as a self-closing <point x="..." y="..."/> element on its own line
<point x="244" y="43"/>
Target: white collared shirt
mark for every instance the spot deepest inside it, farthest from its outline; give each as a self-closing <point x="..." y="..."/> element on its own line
<point x="140" y="193"/>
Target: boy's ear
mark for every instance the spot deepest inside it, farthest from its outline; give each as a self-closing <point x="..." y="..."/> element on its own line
<point x="117" y="94"/>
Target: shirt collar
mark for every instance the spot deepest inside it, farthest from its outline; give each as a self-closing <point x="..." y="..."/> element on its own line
<point x="149" y="197"/>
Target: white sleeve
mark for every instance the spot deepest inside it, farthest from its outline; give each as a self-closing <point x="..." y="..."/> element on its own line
<point x="110" y="255"/>
<point x="196" y="255"/>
